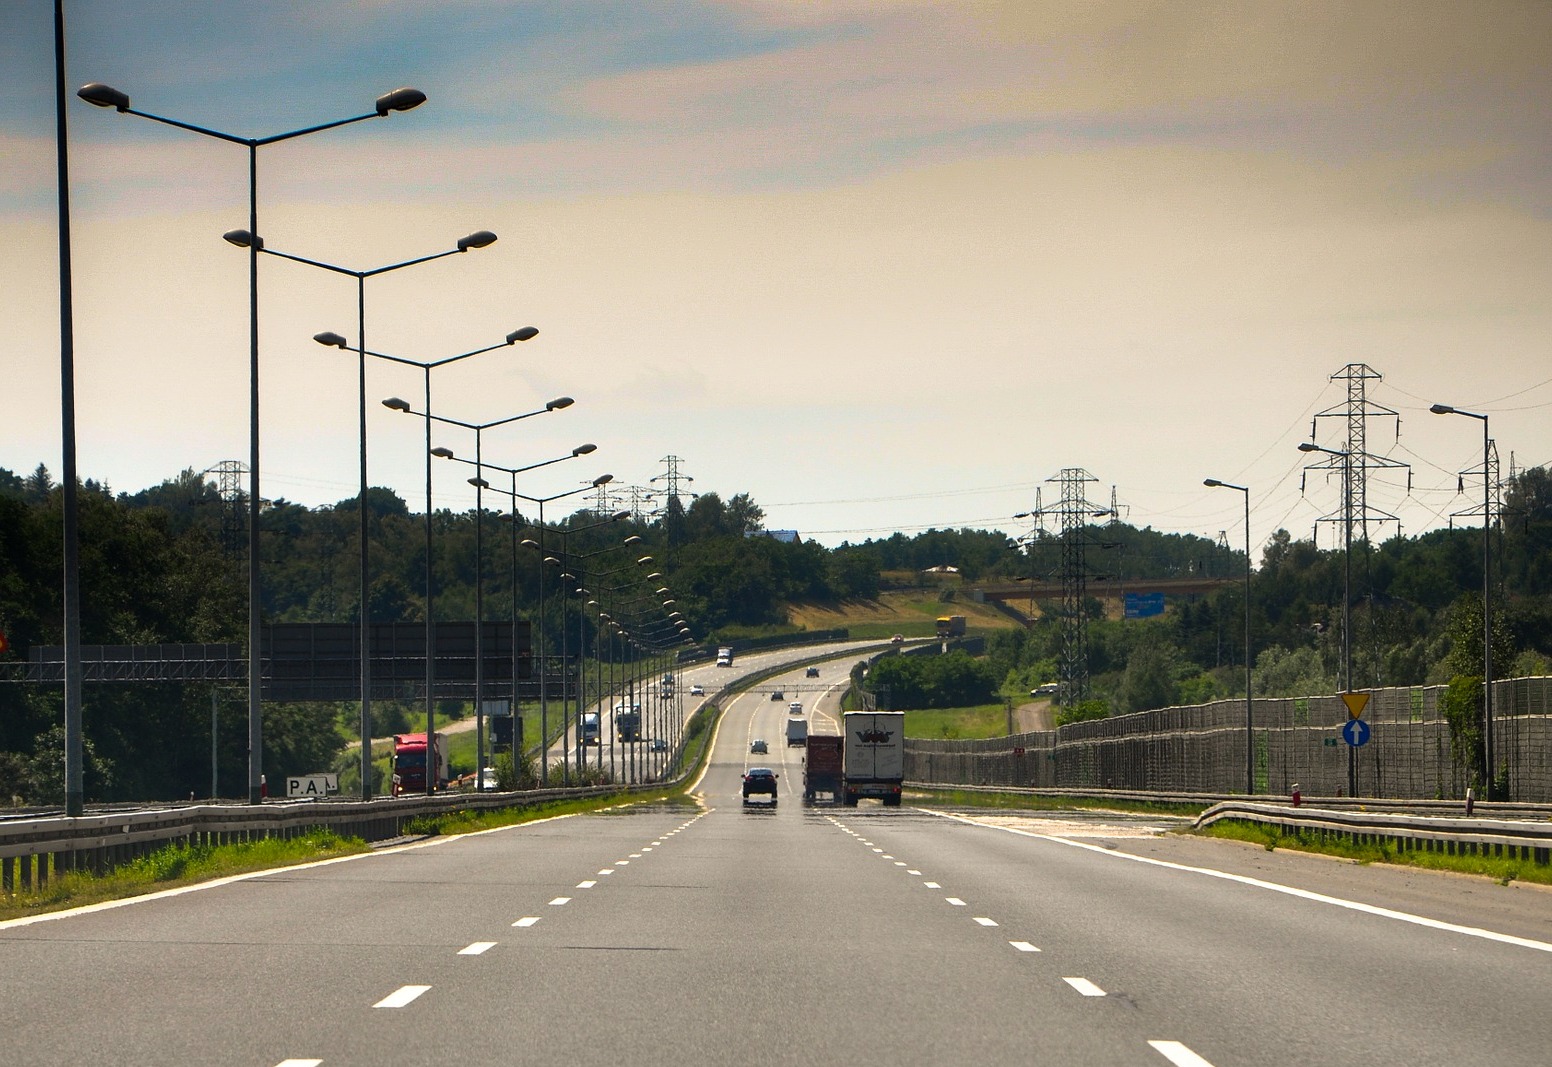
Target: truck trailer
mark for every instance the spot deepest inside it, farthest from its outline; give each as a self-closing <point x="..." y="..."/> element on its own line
<point x="822" y="768"/>
<point x="797" y="732"/>
<point x="410" y="762"/>
<point x="874" y="751"/>
<point x="725" y="656"/>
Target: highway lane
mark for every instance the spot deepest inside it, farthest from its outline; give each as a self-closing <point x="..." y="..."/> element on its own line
<point x="699" y="931"/>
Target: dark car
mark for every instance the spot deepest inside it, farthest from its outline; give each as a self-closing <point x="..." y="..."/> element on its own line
<point x="777" y="694"/>
<point x="758" y="745"/>
<point x="758" y="781"/>
<point x="812" y="672"/>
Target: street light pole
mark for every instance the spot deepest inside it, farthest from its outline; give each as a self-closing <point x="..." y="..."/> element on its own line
<point x="396" y="404"/>
<point x="1347" y="585"/>
<point x="1487" y="595"/>
<point x="1250" y="735"/>
<point x="248" y="239"/>
<point x="405" y="99"/>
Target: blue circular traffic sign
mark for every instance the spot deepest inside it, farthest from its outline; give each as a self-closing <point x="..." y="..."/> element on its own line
<point x="1356" y="732"/>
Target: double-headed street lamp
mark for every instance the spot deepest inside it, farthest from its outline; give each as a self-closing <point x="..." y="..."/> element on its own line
<point x="544" y="687"/>
<point x="1347" y="587"/>
<point x="399" y="100"/>
<point x="247" y="239"/>
<point x="524" y="334"/>
<point x="1250" y="735"/>
<point x="1487" y="593"/>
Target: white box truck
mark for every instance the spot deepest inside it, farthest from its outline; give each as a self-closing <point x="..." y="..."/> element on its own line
<point x="725" y="656"/>
<point x="797" y="732"/>
<point x="874" y="756"/>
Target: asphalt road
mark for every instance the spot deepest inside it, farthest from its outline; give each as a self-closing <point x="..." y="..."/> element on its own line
<point x="702" y="932"/>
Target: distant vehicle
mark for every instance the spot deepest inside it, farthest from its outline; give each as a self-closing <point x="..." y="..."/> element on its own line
<point x="409" y="763"/>
<point x="697" y="691"/>
<point x="760" y="781"/>
<point x="795" y="708"/>
<point x="487" y="780"/>
<point x="589" y="731"/>
<point x="627" y="722"/>
<point x="951" y="626"/>
<point x="1046" y="689"/>
<point x="822" y="768"/>
<point x="797" y="732"/>
<point x="897" y="639"/>
<point x="725" y="656"/>
<point x="658" y="745"/>
<point x="777" y="694"/>
<point x="812" y="672"/>
<point x="759" y="745"/>
<point x="874" y="763"/>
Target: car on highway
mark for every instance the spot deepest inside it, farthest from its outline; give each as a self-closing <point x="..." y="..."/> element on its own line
<point x="812" y="672"/>
<point x="1045" y="689"/>
<point x="777" y="694"/>
<point x="658" y="745"/>
<point x="760" y="781"/>
<point x="795" y="708"/>
<point x="897" y="639"/>
<point x="697" y="690"/>
<point x="758" y="745"/>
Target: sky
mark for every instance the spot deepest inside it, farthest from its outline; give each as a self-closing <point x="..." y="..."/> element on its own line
<point x="881" y="264"/>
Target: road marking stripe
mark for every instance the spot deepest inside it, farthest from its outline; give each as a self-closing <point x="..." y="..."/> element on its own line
<point x="932" y="885"/>
<point x="985" y="921"/>
<point x="635" y="855"/>
<point x="1275" y="887"/>
<point x="622" y="863"/>
<point x="647" y="849"/>
<point x="955" y="901"/>
<point x="1178" y="1054"/>
<point x="878" y="850"/>
<point x="886" y="857"/>
<point x="607" y="870"/>
<point x="527" y="920"/>
<point x="587" y="883"/>
<point x="901" y="863"/>
<point x="298" y="1063"/>
<point x="476" y="949"/>
<point x="401" y="996"/>
<point x="917" y="873"/>
<point x="1084" y="986"/>
<point x="1023" y="946"/>
<point x="558" y="901"/>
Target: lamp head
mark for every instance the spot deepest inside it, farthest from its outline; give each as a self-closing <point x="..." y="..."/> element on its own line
<point x="558" y="403"/>
<point x="332" y="340"/>
<point x="583" y="450"/>
<point x="478" y="483"/>
<point x="1309" y="446"/>
<point x="405" y="99"/>
<point x="477" y="239"/>
<point x="618" y="515"/>
<point x="1211" y="482"/>
<point x="1441" y="409"/>
<point x="603" y="479"/>
<point x="442" y="453"/>
<point x="242" y="239"/>
<point x="396" y="404"/>
<point x="633" y="539"/>
<point x="104" y="96"/>
<point x="527" y="333"/>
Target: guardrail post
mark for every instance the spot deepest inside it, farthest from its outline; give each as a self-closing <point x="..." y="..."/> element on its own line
<point x="8" y="874"/>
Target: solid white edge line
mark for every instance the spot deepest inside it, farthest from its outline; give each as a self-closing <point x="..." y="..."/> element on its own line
<point x="477" y="948"/>
<point x="298" y="1063"/>
<point x="214" y="883"/>
<point x="401" y="996"/>
<point x="1275" y="887"/>
<point x="1084" y="986"/>
<point x="1178" y="1054"/>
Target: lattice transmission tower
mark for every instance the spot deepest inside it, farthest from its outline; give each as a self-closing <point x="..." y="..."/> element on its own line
<point x="1493" y="503"/>
<point x="1353" y="460"/>
<point x="673" y="510"/>
<point x="1075" y="512"/>
<point x="229" y="487"/>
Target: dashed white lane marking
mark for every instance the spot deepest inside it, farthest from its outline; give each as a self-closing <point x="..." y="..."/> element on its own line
<point x="900" y="863"/>
<point x="527" y="920"/>
<point x="1178" y="1054"/>
<point x="587" y="883"/>
<point x="401" y="996"/>
<point x="1305" y="894"/>
<point x="932" y="885"/>
<point x="984" y="921"/>
<point x="647" y="849"/>
<point x="558" y="901"/>
<point x="1023" y="946"/>
<point x="878" y="850"/>
<point x="478" y="948"/>
<point x="955" y="901"/>
<point x="635" y="855"/>
<point x="607" y="870"/>
<point x="886" y="857"/>
<point x="1084" y="986"/>
<point x="622" y="863"/>
<point x="917" y="873"/>
<point x="298" y="1063"/>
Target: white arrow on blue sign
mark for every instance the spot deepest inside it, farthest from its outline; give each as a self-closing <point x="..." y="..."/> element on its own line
<point x="1356" y="732"/>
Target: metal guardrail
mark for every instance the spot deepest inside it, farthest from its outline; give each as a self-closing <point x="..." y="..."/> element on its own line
<point x="1512" y="838"/>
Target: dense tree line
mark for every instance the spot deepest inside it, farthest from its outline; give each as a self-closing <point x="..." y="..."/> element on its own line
<point x="167" y="565"/>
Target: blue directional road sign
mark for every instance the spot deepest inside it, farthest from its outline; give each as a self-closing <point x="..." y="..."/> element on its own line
<point x="1356" y="732"/>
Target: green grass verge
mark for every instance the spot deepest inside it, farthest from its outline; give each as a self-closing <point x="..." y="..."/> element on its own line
<point x="1499" y="869"/>
<point x="172" y="866"/>
<point x="958" y="724"/>
<point x="1030" y="802"/>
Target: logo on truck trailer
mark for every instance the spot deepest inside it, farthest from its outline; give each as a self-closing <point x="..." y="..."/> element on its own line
<point x="875" y="737"/>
